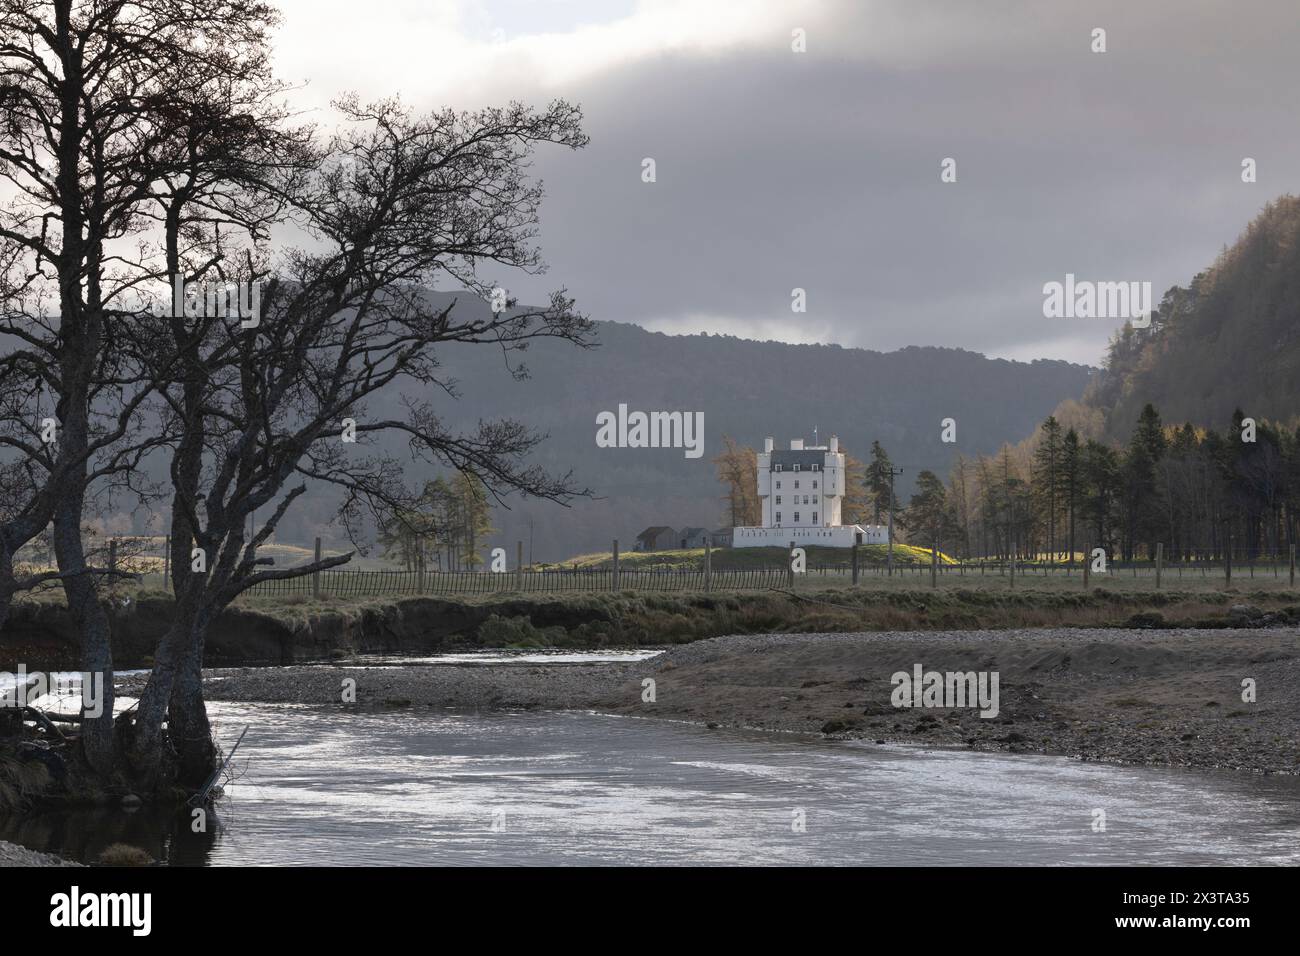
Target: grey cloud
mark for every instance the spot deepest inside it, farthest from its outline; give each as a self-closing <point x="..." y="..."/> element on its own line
<point x="820" y="170"/>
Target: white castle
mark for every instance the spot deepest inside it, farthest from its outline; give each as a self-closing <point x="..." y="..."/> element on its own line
<point x="802" y="491"/>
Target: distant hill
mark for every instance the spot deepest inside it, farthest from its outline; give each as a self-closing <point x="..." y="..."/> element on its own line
<point x="1230" y="339"/>
<point x="746" y="390"/>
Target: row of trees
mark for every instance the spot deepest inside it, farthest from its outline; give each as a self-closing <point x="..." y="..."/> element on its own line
<point x="145" y="145"/>
<point x="1194" y="490"/>
<point x="442" y="527"/>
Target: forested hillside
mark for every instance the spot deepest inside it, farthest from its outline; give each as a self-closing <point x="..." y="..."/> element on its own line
<point x="1228" y="340"/>
<point x="1189" y="437"/>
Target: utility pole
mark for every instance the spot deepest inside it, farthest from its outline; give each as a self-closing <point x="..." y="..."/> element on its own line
<point x="890" y="560"/>
<point x="315" y="575"/>
<point x="1227" y="564"/>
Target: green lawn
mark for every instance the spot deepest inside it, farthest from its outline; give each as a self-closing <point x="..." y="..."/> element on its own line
<point x="728" y="558"/>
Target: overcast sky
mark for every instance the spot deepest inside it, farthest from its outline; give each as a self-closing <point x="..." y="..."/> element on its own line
<point x="821" y="169"/>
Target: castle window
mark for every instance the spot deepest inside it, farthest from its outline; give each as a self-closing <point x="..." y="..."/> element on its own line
<point x="814" y="517"/>
<point x="796" y="467"/>
<point x="796" y="485"/>
<point x="796" y="517"/>
<point x="776" y="467"/>
<point x="814" y="484"/>
<point x="778" y="484"/>
<point x="778" y="499"/>
<point x="816" y="467"/>
<point x="778" y="519"/>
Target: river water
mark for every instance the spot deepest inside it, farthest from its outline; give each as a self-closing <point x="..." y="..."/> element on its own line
<point x="322" y="787"/>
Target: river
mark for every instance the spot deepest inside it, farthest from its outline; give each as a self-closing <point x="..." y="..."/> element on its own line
<point x="416" y="787"/>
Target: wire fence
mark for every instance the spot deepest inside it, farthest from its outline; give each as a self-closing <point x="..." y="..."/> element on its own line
<point x="1187" y="569"/>
<point x="1190" y="571"/>
<point x="358" y="583"/>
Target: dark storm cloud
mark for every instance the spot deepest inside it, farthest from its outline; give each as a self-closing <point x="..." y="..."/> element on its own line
<point x="821" y="170"/>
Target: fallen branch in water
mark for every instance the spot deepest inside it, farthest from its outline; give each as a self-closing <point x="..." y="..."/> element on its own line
<point x="216" y="774"/>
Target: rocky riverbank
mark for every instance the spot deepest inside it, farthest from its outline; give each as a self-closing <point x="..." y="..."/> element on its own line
<point x="1167" y="697"/>
<point x="14" y="855"/>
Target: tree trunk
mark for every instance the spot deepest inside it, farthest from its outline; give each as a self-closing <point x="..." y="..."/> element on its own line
<point x="96" y="637"/>
<point x="146" y="747"/>
<point x="188" y="727"/>
<point x="7" y="582"/>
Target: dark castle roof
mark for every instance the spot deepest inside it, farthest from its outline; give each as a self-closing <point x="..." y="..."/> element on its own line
<point x="805" y="459"/>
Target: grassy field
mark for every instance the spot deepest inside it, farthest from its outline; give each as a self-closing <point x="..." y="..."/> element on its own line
<point x="361" y="586"/>
<point x="1046" y="586"/>
<point x="743" y="558"/>
<point x="143" y="555"/>
<point x="744" y="570"/>
<point x="630" y="618"/>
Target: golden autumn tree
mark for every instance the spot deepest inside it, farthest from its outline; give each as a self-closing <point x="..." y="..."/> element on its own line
<point x="738" y="471"/>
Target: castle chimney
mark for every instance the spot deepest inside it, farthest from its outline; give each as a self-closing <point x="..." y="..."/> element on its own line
<point x="796" y="444"/>
<point x="835" y="444"/>
<point x="767" y="445"/>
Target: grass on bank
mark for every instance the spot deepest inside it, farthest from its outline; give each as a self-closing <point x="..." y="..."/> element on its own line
<point x="641" y="618"/>
<point x="144" y="555"/>
<point x="745" y="558"/>
<point x="908" y="578"/>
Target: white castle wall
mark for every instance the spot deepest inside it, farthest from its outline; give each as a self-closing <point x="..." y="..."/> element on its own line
<point x="843" y="536"/>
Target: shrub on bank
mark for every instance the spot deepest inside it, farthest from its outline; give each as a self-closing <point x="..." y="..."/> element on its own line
<point x="21" y="781"/>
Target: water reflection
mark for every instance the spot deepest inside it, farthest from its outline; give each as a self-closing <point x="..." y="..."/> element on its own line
<point x="84" y="834"/>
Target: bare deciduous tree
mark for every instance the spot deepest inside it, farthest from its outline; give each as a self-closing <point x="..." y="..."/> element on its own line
<point x="394" y="203"/>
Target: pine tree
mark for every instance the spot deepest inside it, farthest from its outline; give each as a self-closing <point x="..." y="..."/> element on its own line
<point x="928" y="513"/>
<point x="1143" y="496"/>
<point x="878" y="481"/>
<point x="1071" y="479"/>
<point x="1047" y="477"/>
<point x="1100" y="468"/>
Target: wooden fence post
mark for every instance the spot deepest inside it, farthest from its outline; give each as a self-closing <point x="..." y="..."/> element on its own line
<point x="167" y="563"/>
<point x="1087" y="564"/>
<point x="855" y="563"/>
<point x="315" y="575"/>
<point x="1160" y="563"/>
<point x="1293" y="565"/>
<point x="421" y="580"/>
<point x="934" y="565"/>
<point x="789" y="567"/>
<point x="519" y="565"/>
<point x="1227" y="564"/>
<point x="616" y="564"/>
<point x="112" y="561"/>
<point x="708" y="564"/>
